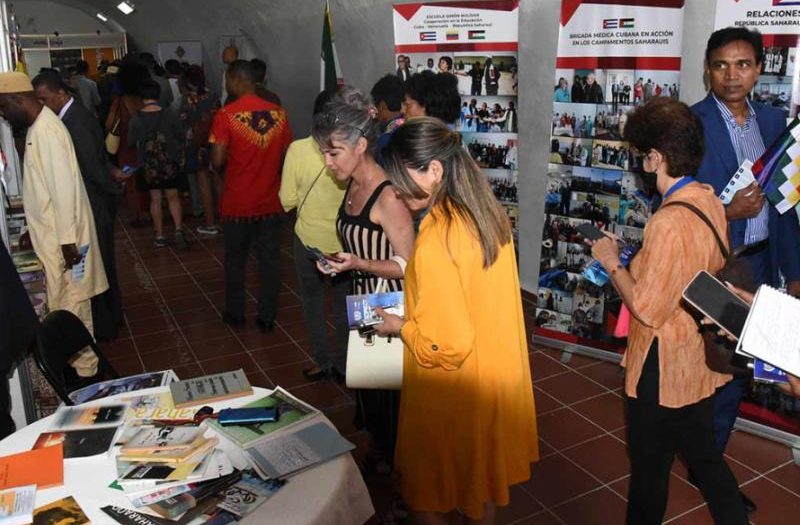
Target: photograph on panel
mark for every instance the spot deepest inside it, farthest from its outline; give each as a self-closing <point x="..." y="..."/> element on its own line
<point x="488" y="115"/>
<point x="629" y="235"/>
<point x="573" y="257"/>
<point x="611" y="154"/>
<point x="558" y="188"/>
<point x="580" y="86"/>
<point x="504" y="185"/>
<point x="568" y="150"/>
<point x="419" y="62"/>
<point x="551" y="320"/>
<point x="573" y="120"/>
<point x="587" y="315"/>
<point x="600" y="209"/>
<point x="492" y="150"/>
<point x="488" y="74"/>
<point x="774" y="91"/>
<point x="553" y="299"/>
<point x="610" y="120"/>
<point x="655" y="83"/>
<point x="635" y="200"/>
<point x="619" y="86"/>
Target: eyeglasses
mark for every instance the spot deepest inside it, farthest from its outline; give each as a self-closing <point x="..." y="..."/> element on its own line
<point x="331" y="119"/>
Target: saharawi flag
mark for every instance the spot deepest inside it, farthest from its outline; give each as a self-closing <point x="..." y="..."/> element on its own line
<point x="330" y="73"/>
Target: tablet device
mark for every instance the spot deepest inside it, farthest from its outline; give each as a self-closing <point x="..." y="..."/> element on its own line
<point x="717" y="302"/>
<point x="590" y="232"/>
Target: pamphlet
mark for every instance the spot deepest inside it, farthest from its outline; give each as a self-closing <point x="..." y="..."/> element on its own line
<point x="88" y="417"/>
<point x="122" y="385"/>
<point x="361" y="308"/>
<point x="79" y="270"/>
<point x="210" y="388"/>
<point x="248" y="494"/>
<point x="16" y="505"/>
<point x="80" y="443"/>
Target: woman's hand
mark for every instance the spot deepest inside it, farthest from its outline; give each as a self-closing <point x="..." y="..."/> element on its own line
<point x="344" y="262"/>
<point x="391" y="324"/>
<point x="606" y="251"/>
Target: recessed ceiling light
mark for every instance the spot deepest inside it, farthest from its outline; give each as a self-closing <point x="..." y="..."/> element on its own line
<point x="126" y="7"/>
<point x="102" y="17"/>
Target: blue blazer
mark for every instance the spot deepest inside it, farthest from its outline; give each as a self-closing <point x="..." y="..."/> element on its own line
<point x="718" y="166"/>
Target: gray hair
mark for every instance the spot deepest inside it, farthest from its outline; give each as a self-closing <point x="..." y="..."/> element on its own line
<point x="349" y="116"/>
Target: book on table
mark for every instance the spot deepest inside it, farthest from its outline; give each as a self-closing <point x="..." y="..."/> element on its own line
<point x="16" y="505"/>
<point x="42" y="467"/>
<point x="210" y="389"/>
<point x="89" y="417"/>
<point x="288" y="453"/>
<point x="291" y="411"/>
<point x="156" y="406"/>
<point x="163" y="438"/>
<point x="141" y="480"/>
<point x="122" y="385"/>
<point x="248" y="494"/>
<point x="65" y="510"/>
<point x="201" y="448"/>
<point x="80" y="443"/>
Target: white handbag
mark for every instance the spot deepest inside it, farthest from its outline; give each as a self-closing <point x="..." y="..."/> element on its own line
<point x="373" y="361"/>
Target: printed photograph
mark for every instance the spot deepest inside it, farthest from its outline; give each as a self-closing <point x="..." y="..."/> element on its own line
<point x="611" y="154"/>
<point x="619" y="86"/>
<point x="610" y="120"/>
<point x="573" y="257"/>
<point x="488" y="115"/>
<point x="491" y="75"/>
<point x="776" y="61"/>
<point x="492" y="151"/>
<point x="587" y="316"/>
<point x="552" y="299"/>
<point x="567" y="150"/>
<point x="629" y="235"/>
<point x="557" y="189"/>
<point x="580" y="86"/>
<point x="551" y="320"/>
<point x="505" y="188"/>
<point x="595" y="207"/>
<point x="774" y="91"/>
<point x="573" y="120"/>
<point x="651" y="83"/>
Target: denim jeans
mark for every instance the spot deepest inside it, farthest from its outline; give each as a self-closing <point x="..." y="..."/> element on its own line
<point x="264" y="235"/>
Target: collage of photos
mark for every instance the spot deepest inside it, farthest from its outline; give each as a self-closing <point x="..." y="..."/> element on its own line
<point x="606" y="197"/>
<point x="774" y="86"/>
<point x="623" y="87"/>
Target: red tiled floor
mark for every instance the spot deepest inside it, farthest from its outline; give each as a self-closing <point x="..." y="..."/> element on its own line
<point x="173" y="302"/>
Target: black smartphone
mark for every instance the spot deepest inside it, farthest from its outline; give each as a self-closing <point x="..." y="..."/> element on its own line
<point x="365" y="330"/>
<point x="587" y="231"/>
<point x="717" y="302"/>
<point x="323" y="261"/>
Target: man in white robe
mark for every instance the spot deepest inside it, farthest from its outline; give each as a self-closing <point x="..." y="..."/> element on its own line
<point x="60" y="221"/>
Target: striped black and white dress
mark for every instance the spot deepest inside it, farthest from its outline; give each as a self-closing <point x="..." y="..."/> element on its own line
<point x="367" y="240"/>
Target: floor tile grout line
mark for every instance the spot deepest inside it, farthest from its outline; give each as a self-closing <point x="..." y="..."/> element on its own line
<point x="765" y="477"/>
<point x="171" y="315"/>
<point x="135" y="255"/>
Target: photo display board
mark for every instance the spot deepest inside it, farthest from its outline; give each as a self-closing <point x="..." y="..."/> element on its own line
<point x="477" y="42"/>
<point x="612" y="57"/>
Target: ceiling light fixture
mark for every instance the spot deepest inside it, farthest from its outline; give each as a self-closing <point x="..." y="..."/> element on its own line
<point x="102" y="17"/>
<point x="126" y="7"/>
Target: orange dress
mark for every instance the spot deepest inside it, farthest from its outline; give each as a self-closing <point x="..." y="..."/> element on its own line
<point x="467" y="425"/>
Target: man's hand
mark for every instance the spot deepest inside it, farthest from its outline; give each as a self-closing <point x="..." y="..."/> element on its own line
<point x="746" y="203"/>
<point x="793" y="288"/>
<point x="71" y="255"/>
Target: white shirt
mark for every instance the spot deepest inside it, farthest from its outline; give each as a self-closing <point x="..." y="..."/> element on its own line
<point x="66" y="108"/>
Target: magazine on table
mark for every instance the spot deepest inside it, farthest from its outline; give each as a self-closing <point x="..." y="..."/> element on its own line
<point x="210" y="389"/>
<point x="89" y="417"/>
<point x="157" y="406"/>
<point x="248" y="494"/>
<point x="16" y="505"/>
<point x="80" y="443"/>
<point x="121" y="385"/>
<point x="290" y="412"/>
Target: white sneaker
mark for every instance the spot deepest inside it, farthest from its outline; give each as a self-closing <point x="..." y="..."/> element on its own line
<point x="208" y="230"/>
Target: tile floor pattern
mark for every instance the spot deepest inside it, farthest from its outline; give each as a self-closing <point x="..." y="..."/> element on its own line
<point x="172" y="308"/>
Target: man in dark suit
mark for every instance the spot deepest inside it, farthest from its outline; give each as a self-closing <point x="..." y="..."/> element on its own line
<point x="18" y="326"/>
<point x="102" y="181"/>
<point x="735" y="130"/>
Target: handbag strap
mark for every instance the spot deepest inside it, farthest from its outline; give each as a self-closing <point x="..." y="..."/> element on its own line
<point x="726" y="254"/>
<point x="310" y="188"/>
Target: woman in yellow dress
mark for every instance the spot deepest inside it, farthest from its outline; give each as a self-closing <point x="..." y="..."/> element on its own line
<point x="467" y="428"/>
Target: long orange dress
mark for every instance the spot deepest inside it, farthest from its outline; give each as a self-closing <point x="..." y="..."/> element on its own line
<point x="467" y="425"/>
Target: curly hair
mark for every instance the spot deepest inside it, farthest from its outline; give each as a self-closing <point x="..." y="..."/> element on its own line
<point x="437" y="93"/>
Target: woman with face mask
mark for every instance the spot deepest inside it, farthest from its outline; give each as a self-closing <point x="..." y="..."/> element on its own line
<point x="374" y="226"/>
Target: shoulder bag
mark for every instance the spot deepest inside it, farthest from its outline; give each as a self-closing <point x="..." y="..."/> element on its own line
<point x="113" y="138"/>
<point x="720" y="353"/>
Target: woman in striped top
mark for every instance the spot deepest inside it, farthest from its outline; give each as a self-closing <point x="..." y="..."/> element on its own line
<point x="375" y="227"/>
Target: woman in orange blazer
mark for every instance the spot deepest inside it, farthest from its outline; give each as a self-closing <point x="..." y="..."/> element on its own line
<point x="467" y="428"/>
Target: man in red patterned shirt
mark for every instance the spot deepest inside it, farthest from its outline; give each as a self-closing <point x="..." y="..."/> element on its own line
<point x="249" y="138"/>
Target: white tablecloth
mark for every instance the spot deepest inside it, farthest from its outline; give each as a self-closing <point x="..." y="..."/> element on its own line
<point x="333" y="493"/>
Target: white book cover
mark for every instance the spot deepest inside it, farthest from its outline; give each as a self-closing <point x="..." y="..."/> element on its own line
<point x="16" y="505"/>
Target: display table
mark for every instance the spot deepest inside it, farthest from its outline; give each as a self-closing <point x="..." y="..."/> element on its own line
<point x="331" y="493"/>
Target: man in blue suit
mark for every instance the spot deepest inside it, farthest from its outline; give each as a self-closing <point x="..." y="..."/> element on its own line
<point x="735" y="130"/>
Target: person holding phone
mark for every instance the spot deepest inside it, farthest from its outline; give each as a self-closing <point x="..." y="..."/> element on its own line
<point x="669" y="391"/>
<point x="467" y="428"/>
<point x="376" y="232"/>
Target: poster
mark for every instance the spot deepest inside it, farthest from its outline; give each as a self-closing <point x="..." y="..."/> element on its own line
<point x="778" y="85"/>
<point x="612" y="57"/>
<point x="476" y="42"/>
<point x="779" y="23"/>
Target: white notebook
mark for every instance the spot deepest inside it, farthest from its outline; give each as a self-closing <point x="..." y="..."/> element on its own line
<point x="770" y="332"/>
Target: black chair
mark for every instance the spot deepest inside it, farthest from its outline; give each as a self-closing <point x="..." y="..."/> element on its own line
<point x="61" y="335"/>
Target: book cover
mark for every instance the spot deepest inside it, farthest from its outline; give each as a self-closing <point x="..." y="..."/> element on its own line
<point x="210" y="388"/>
<point x="79" y="443"/>
<point x="41" y="467"/>
<point x="16" y="505"/>
<point x="202" y="447"/>
<point x="361" y="308"/>
<point x="767" y="373"/>
<point x="65" y="510"/>
<point x="248" y="494"/>
<point x="130" y="517"/>
<point x="287" y="454"/>
<point x="122" y="385"/>
<point x="82" y="418"/>
<point x="157" y="406"/>
<point x="290" y="409"/>
<point x="173" y="507"/>
<point x="163" y="439"/>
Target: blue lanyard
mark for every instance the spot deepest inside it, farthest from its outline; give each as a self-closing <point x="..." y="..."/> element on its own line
<point x="678" y="185"/>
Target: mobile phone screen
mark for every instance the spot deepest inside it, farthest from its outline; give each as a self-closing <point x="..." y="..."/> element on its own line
<point x="717" y="302"/>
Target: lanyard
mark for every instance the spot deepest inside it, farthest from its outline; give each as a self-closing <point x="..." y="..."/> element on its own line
<point x="678" y="185"/>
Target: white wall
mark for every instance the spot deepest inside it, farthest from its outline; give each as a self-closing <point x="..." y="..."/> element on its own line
<point x="45" y="17"/>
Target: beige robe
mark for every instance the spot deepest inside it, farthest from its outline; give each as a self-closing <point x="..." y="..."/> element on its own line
<point x="58" y="213"/>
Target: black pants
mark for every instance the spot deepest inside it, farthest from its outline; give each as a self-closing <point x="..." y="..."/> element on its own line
<point x="264" y="234"/>
<point x="312" y="292"/>
<point x="655" y="435"/>
<point x="107" y="306"/>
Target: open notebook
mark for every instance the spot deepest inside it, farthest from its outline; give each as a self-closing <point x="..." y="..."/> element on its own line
<point x="770" y="331"/>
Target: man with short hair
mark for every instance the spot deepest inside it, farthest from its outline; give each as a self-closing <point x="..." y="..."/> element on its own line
<point x="102" y="182"/>
<point x="387" y="95"/>
<point x="260" y="68"/>
<point x="736" y="129"/>
<point x="57" y="209"/>
<point x="86" y="87"/>
<point x="491" y="77"/>
<point x="229" y="55"/>
<point x="249" y="138"/>
<point x="592" y="92"/>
